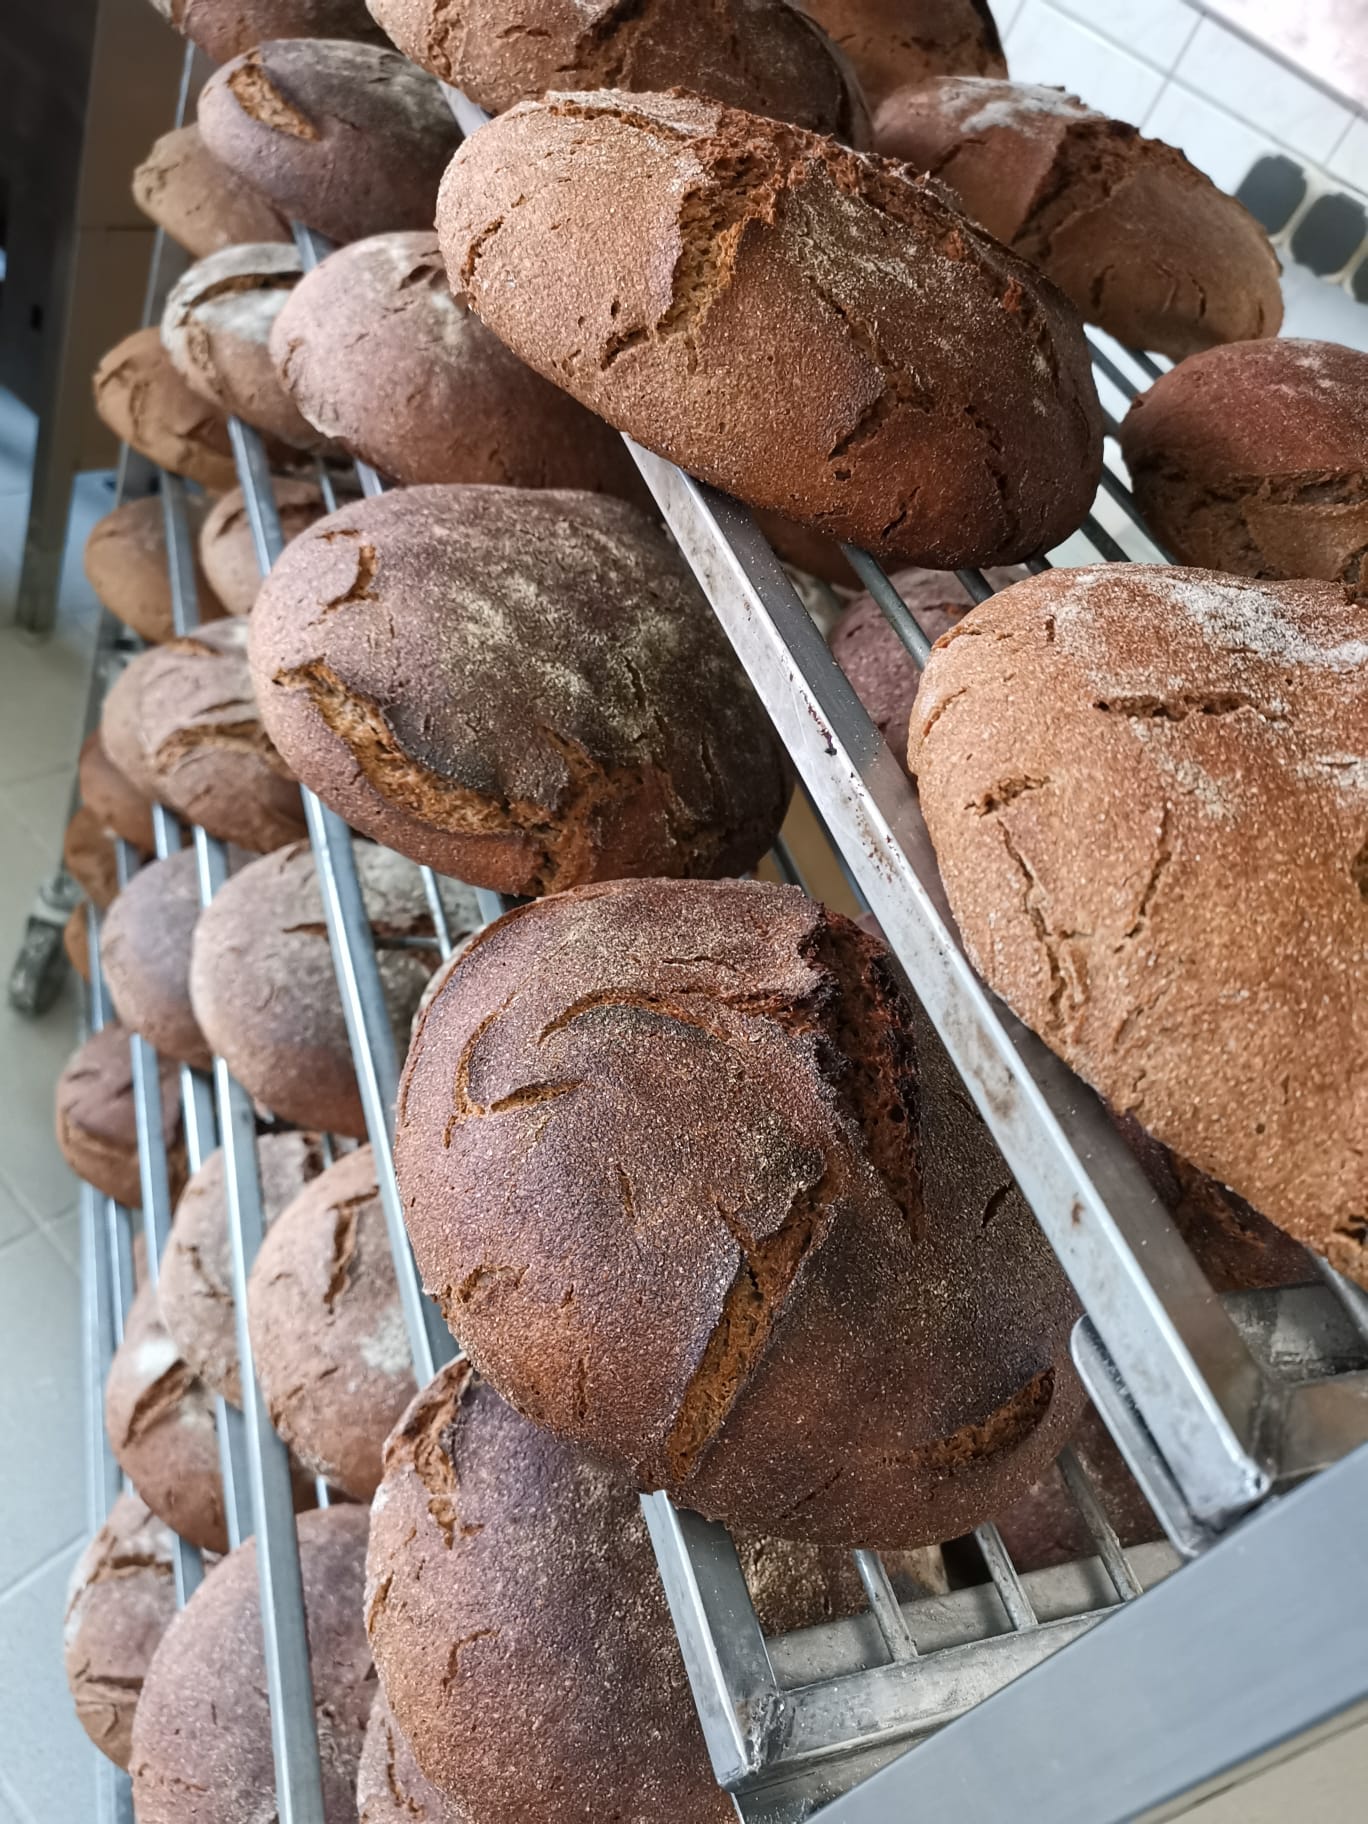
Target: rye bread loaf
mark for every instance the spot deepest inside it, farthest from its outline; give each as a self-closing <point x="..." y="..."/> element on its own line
<point x="1198" y="955"/>
<point x="110" y="796"/>
<point x="181" y="721"/>
<point x="145" y="956"/>
<point x="97" y="1128"/>
<point x="202" y="1734"/>
<point x="265" y="993"/>
<point x="225" y="28"/>
<point x="200" y="203"/>
<point x="88" y="856"/>
<point x="811" y="329"/>
<point x="347" y="138"/>
<point x="897" y="44"/>
<point x="120" y="1600"/>
<point x="125" y="564"/>
<point x="390" y="1785"/>
<point x="226" y="549"/>
<point x="378" y="354"/>
<point x="328" y="1336"/>
<point x="76" y="940"/>
<point x="524" y="688"/>
<point x="711" y="1101"/>
<point x="160" y="1423"/>
<point x="1143" y="242"/>
<point x="1254" y="459"/>
<point x="1045" y="1528"/>
<point x="762" y="55"/>
<point x="143" y="400"/>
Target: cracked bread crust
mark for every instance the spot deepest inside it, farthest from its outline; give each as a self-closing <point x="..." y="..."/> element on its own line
<point x="225" y="544"/>
<point x="380" y="355"/>
<point x="182" y="723"/>
<point x="933" y="400"/>
<point x="898" y="44"/>
<point x="1148" y="793"/>
<point x="328" y="1335"/>
<point x="523" y="688"/>
<point x="706" y="1110"/>
<point x="1254" y="459"/>
<point x="97" y="1127"/>
<point x="1143" y="242"/>
<point x="224" y="31"/>
<point x="390" y="1786"/>
<point x="145" y="956"/>
<point x="143" y="400"/>
<point x="349" y="139"/>
<point x="200" y="203"/>
<point x="125" y="564"/>
<point x="202" y="1733"/>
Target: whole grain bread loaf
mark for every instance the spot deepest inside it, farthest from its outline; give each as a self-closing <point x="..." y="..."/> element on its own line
<point x="1254" y="459"/>
<point x="390" y="1785"/>
<point x="199" y="202"/>
<point x="762" y="55"/>
<point x="815" y="331"/>
<point x="145" y="956"/>
<point x="897" y="44"/>
<point x="1142" y="241"/>
<point x="113" y="800"/>
<point x="97" y="1128"/>
<point x="144" y="401"/>
<point x="181" y="721"/>
<point x="1200" y="958"/>
<point x="88" y="856"/>
<point x="711" y="1101"/>
<point x="225" y="546"/>
<point x="378" y="354"/>
<point x="126" y="566"/>
<point x="349" y="139"/>
<point x="225" y="28"/>
<point x="120" y="1600"/>
<point x="202" y="1734"/>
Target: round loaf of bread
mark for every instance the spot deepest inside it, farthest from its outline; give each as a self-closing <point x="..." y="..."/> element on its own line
<point x="349" y="139"/>
<point x="144" y="401"/>
<point x="88" y="856"/>
<point x="195" y="1287"/>
<point x="380" y="356"/>
<point x="390" y="1785"/>
<point x="202" y="1734"/>
<point x="265" y="993"/>
<point x="223" y="31"/>
<point x="226" y="549"/>
<point x="76" y="940"/>
<point x="97" y="1128"/>
<point x="120" y="1601"/>
<point x="525" y="689"/>
<point x="932" y="399"/>
<point x="116" y="803"/>
<point x="1143" y="242"/>
<point x="897" y="44"/>
<point x="762" y="55"/>
<point x="328" y="1337"/>
<point x="160" y="1421"/>
<point x="711" y="1102"/>
<point x="199" y="202"/>
<point x="1254" y="459"/>
<point x="1148" y="793"/>
<point x="181" y="721"/>
<point x="125" y="564"/>
<point x="145" y="956"/>
<point x="216" y="327"/>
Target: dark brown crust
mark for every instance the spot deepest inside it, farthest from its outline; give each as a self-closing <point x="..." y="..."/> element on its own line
<point x="347" y="138"/>
<point x="144" y="401"/>
<point x="225" y="545"/>
<point x="199" y="202"/>
<point x="390" y="1786"/>
<point x="223" y="31"/>
<point x="145" y="956"/>
<point x="111" y="798"/>
<point x="125" y="564"/>
<point x="898" y="44"/>
<point x="88" y="856"/>
<point x="96" y="1125"/>
<point x="1141" y="240"/>
<point x="710" y="1102"/>
<point x="202" y="1734"/>
<point x="933" y="400"/>
<point x="1200" y="957"/>
<point x="1045" y="1528"/>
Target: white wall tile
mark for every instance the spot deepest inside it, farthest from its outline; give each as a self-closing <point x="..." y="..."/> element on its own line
<point x="1045" y="45"/>
<point x="1156" y="30"/>
<point x="1349" y="160"/>
<point x="1216" y="142"/>
<point x="1233" y="74"/>
<point x="1004" y="14"/>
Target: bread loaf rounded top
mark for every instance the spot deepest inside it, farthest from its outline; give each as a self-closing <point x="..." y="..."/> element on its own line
<point x="810" y="328"/>
<point x="1142" y="241"/>
<point x="144" y="401"/>
<point x="349" y="139"/>
<point x="524" y="688"/>
<point x="1148" y="793"/>
<point x="112" y="798"/>
<point x="145" y="956"/>
<point x="198" y="201"/>
<point x="202" y="1734"/>
<point x="223" y="31"/>
<point x="97" y="1128"/>
<point x="378" y="354"/>
<point x="126" y="566"/>
<point x="896" y="44"/>
<point x="391" y="1787"/>
<point x="226" y="547"/>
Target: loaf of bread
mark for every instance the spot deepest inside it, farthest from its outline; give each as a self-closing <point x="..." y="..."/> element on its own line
<point x="116" y="804"/>
<point x="349" y="139"/>
<point x="96" y="1124"/>
<point x="897" y="44"/>
<point x="1045" y="1528"/>
<point x="225" y="28"/>
<point x="711" y="1102"/>
<point x="933" y="399"/>
<point x="328" y="1337"/>
<point x="1142" y="241"/>
<point x="195" y="1288"/>
<point x="126" y="566"/>
<point x="1200" y="957"/>
<point x="181" y="721"/>
<point x="390" y="1785"/>
<point x="379" y="355"/>
<point x="202" y="1734"/>
<point x="88" y="856"/>
<point x="146" y="404"/>
<point x="76" y="940"/>
<point x="265" y="993"/>
<point x="199" y="202"/>
<point x="120" y="1601"/>
<point x="227" y="551"/>
<point x="762" y="55"/>
<point x="145" y="955"/>
<point x="1254" y="459"/>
